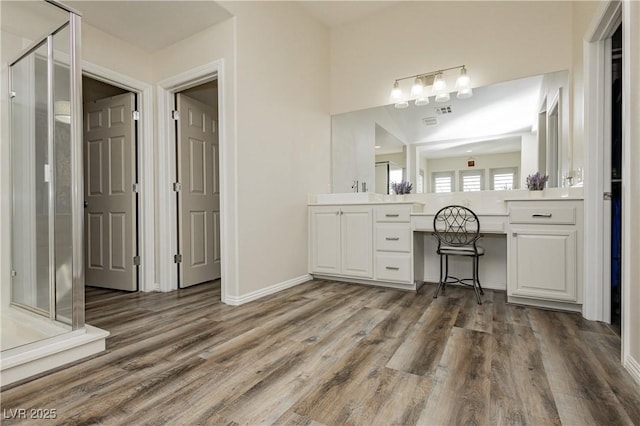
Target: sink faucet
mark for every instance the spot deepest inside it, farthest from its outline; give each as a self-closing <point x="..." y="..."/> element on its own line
<point x="355" y="186"/>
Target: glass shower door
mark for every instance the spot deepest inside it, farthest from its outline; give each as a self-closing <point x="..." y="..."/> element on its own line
<point x="46" y="181"/>
<point x="32" y="179"/>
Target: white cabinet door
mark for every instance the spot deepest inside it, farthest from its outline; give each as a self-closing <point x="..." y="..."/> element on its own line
<point x="324" y="240"/>
<point x="543" y="263"/>
<point x="357" y="241"/>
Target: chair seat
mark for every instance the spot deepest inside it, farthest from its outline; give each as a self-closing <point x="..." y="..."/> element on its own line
<point x="460" y="251"/>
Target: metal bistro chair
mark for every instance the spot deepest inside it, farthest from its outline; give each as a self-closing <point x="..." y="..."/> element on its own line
<point x="457" y="229"/>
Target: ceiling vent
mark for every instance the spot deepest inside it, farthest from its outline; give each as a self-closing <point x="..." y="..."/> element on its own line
<point x="444" y="110"/>
<point x="430" y="121"/>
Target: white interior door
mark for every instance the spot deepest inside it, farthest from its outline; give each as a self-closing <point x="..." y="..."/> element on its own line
<point x="110" y="210"/>
<point x="199" y="197"/>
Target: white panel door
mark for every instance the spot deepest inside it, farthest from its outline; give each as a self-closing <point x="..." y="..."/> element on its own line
<point x="324" y="238"/>
<point x="357" y="241"/>
<point x="110" y="213"/>
<point x="199" y="197"/>
<point x="543" y="263"/>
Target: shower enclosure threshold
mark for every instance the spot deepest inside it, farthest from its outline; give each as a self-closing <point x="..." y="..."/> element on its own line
<point x="24" y="362"/>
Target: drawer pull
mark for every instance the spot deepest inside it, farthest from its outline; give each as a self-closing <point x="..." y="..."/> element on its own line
<point x="392" y="238"/>
<point x="392" y="215"/>
<point x="541" y="215"/>
<point x="392" y="268"/>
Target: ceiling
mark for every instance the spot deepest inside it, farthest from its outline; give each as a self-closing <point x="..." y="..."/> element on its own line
<point x="155" y="25"/>
<point x="150" y="25"/>
<point x="334" y="13"/>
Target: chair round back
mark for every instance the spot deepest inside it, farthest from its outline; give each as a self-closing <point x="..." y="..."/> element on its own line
<point x="456" y="226"/>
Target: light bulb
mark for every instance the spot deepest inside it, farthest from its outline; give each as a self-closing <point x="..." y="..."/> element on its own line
<point x="463" y="85"/>
<point x="465" y="93"/>
<point x="443" y="97"/>
<point x="463" y="80"/>
<point x="439" y="85"/>
<point x="421" y="101"/>
<point x="396" y="93"/>
<point x="417" y="88"/>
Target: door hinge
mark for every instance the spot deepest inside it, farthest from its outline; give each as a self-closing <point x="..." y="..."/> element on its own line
<point x="136" y="115"/>
<point x="14" y="273"/>
<point x="12" y="94"/>
<point x="177" y="258"/>
<point x="607" y="196"/>
<point x="175" y="114"/>
<point x="136" y="260"/>
<point x="177" y="186"/>
<point x="136" y="187"/>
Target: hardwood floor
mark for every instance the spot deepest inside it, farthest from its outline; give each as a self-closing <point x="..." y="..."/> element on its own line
<point x="333" y="353"/>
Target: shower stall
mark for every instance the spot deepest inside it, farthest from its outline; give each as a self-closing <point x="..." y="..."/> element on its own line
<point x="43" y="290"/>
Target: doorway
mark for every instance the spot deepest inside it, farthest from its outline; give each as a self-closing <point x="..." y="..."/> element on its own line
<point x="197" y="184"/>
<point x="111" y="186"/>
<point x="613" y="170"/>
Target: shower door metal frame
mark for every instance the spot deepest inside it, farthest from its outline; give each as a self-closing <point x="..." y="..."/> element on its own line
<point x="77" y="190"/>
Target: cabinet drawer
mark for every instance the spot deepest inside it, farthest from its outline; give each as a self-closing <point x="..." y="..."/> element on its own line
<point x="556" y="215"/>
<point x="393" y="213"/>
<point x="393" y="267"/>
<point x="393" y="237"/>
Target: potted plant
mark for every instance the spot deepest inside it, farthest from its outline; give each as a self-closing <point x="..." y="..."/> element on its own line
<point x="536" y="182"/>
<point x="402" y="188"/>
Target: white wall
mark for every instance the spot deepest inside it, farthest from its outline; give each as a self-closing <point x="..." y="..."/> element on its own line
<point x="581" y="14"/>
<point x="282" y="137"/>
<point x="555" y="85"/>
<point x="498" y="41"/>
<point x="528" y="157"/>
<point x="110" y="52"/>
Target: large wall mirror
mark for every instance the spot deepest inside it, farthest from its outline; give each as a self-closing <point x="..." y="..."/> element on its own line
<point x="491" y="141"/>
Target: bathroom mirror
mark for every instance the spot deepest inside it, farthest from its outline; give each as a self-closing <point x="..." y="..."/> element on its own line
<point x="491" y="141"/>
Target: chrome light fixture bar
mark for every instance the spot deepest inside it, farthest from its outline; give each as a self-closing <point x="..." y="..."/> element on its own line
<point x="435" y="79"/>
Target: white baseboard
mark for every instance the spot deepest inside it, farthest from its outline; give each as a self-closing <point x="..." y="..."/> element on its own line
<point x="633" y="367"/>
<point x="254" y="295"/>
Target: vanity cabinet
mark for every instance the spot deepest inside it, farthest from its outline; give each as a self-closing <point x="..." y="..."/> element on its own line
<point x="544" y="248"/>
<point x="368" y="243"/>
<point x="394" y="258"/>
<point x="341" y="240"/>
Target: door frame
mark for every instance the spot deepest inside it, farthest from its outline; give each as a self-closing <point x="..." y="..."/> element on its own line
<point x="145" y="164"/>
<point x="597" y="130"/>
<point x="167" y="214"/>
<point x="596" y="294"/>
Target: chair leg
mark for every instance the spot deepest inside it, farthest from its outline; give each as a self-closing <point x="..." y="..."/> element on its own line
<point x="475" y="280"/>
<point x="446" y="270"/>
<point x="440" y="283"/>
<point x="478" y="275"/>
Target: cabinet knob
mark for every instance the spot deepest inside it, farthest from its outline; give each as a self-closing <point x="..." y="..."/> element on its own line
<point x="514" y="234"/>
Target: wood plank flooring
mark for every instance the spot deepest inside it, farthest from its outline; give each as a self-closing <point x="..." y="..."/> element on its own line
<point x="328" y="353"/>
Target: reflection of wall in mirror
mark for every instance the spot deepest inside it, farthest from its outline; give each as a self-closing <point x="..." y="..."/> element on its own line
<point x="389" y="168"/>
<point x="556" y="161"/>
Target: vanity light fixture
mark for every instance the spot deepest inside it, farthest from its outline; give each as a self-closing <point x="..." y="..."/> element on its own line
<point x="435" y="79"/>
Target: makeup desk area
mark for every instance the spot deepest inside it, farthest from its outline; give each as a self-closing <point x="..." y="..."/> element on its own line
<point x="533" y="245"/>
